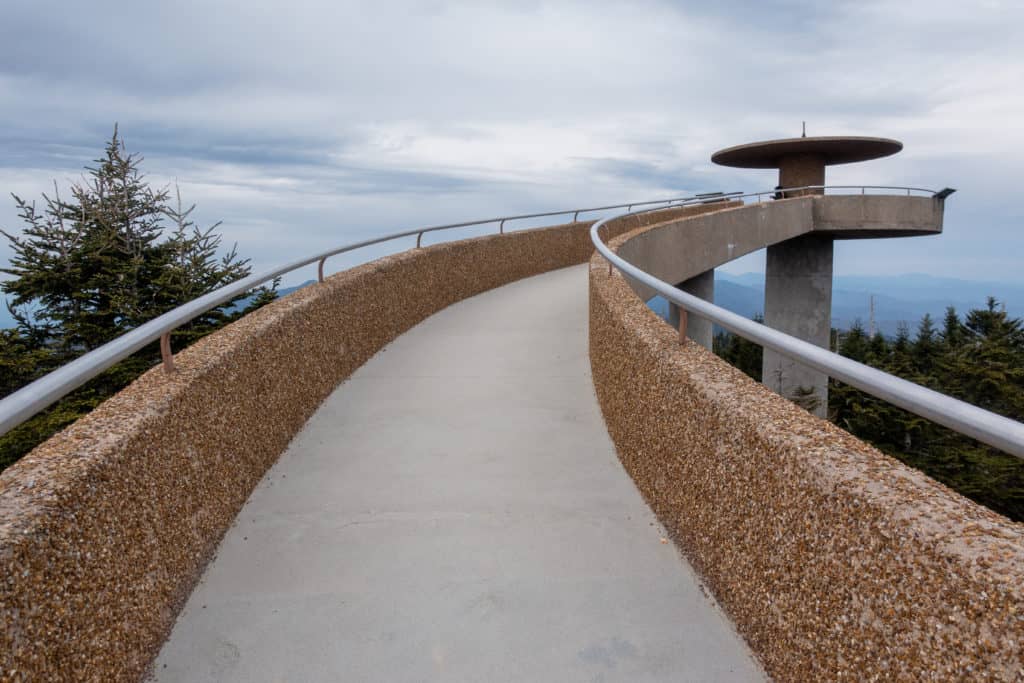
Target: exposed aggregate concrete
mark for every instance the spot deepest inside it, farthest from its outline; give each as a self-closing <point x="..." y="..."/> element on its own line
<point x="835" y="561"/>
<point x="105" y="528"/>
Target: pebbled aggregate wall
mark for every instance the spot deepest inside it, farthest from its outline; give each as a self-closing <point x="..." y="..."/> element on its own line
<point x="105" y="528"/>
<point x="836" y="562"/>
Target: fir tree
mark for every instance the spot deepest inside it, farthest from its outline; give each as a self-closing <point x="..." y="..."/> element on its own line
<point x="991" y="373"/>
<point x="924" y="350"/>
<point x="979" y="360"/>
<point x="739" y="352"/>
<point x="878" y="350"/>
<point x="91" y="267"/>
<point x="855" y="343"/>
<point x="952" y="329"/>
<point x="900" y="358"/>
<point x="21" y="359"/>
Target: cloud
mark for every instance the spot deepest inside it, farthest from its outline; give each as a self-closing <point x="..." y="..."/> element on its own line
<point x="306" y="124"/>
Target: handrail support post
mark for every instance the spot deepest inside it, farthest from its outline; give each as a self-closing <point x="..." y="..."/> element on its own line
<point x="165" y="352"/>
<point x="320" y="270"/>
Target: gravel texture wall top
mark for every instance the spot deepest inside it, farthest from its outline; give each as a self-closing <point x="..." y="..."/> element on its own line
<point x="835" y="561"/>
<point x="105" y="527"/>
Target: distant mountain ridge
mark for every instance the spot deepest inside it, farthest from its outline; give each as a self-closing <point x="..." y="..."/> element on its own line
<point x="898" y="298"/>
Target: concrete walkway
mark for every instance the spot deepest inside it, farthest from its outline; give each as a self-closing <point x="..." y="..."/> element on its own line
<point x="455" y="512"/>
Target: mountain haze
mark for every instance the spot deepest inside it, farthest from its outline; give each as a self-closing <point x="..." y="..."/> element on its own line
<point x="898" y="299"/>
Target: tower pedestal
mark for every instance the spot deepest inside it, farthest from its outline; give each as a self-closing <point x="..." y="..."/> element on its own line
<point x="798" y="279"/>
<point x="798" y="301"/>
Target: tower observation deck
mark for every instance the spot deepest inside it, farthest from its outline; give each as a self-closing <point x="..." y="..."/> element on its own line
<point x="798" y="271"/>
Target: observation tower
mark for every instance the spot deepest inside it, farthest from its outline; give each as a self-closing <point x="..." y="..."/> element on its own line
<point x="798" y="272"/>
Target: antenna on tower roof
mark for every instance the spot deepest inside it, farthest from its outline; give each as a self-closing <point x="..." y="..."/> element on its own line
<point x="804" y="134"/>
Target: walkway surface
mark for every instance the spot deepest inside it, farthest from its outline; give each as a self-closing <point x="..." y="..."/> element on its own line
<point x="455" y="511"/>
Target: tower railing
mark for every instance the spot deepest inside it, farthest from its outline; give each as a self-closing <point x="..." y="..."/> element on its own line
<point x="994" y="430"/>
<point x="43" y="392"/>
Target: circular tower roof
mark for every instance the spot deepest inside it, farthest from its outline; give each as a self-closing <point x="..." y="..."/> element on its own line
<point x="834" y="150"/>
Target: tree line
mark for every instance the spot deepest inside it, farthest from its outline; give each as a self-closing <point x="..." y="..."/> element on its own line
<point x="978" y="358"/>
<point x="91" y="266"/>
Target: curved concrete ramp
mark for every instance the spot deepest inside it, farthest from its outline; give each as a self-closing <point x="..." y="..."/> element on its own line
<point x="455" y="511"/>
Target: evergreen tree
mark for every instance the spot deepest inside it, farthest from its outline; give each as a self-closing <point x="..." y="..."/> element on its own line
<point x="901" y="362"/>
<point x="991" y="373"/>
<point x="854" y="344"/>
<point x="952" y="329"/>
<point x="87" y="269"/>
<point x="96" y="266"/>
<point x="878" y="350"/>
<point x="979" y="360"/>
<point x="739" y="352"/>
<point x="924" y="350"/>
<point x="20" y="360"/>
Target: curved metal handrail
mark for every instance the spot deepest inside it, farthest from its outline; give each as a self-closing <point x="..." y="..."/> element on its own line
<point x="34" y="397"/>
<point x="995" y="430"/>
<point x="941" y="194"/>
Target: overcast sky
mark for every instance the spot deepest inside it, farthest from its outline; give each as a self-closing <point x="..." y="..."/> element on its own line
<point x="307" y="124"/>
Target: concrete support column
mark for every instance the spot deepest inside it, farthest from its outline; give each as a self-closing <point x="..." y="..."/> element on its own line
<point x="801" y="170"/>
<point x="798" y="301"/>
<point x="698" y="329"/>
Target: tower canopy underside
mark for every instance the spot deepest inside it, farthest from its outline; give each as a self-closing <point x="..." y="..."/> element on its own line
<point x="831" y="150"/>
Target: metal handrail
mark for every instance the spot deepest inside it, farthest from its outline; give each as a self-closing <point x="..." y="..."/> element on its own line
<point x="34" y="397"/>
<point x="942" y="194"/>
<point x="995" y="430"/>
